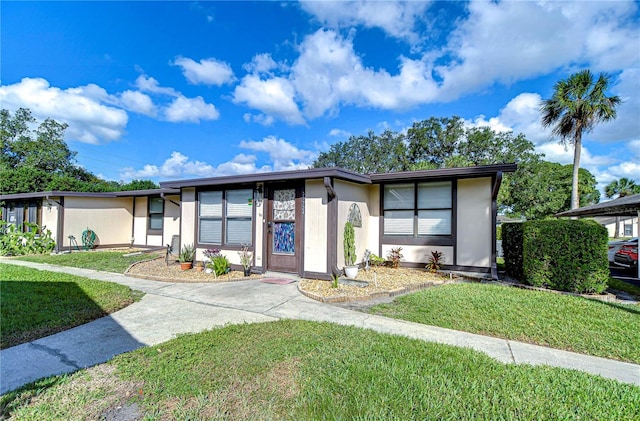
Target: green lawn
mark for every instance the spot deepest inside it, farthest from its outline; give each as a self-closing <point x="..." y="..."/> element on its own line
<point x="559" y="321"/>
<point x="108" y="261"/>
<point x="298" y="370"/>
<point x="38" y="303"/>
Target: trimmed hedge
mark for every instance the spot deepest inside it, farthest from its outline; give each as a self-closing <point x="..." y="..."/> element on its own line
<point x="512" y="248"/>
<point x="566" y="255"/>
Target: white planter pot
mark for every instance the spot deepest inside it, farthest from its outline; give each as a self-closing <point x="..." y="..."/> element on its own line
<point x="351" y="271"/>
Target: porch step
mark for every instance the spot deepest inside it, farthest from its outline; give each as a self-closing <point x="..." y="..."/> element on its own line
<point x="272" y="274"/>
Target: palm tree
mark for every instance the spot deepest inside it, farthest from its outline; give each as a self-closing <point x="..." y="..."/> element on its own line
<point x="621" y="188"/>
<point x="577" y="105"/>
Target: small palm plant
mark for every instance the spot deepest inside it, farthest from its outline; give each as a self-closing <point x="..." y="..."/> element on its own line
<point x="436" y="260"/>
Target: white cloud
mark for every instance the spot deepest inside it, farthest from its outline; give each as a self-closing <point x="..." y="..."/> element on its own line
<point x="282" y="154"/>
<point x="507" y="41"/>
<point x="89" y="121"/>
<point x="274" y="97"/>
<point x="265" y="120"/>
<point x="397" y="19"/>
<point x="261" y="63"/>
<point x="339" y="133"/>
<point x="190" y="109"/>
<point x="181" y="108"/>
<point x="138" y="102"/>
<point x="149" y="84"/>
<point x="208" y="71"/>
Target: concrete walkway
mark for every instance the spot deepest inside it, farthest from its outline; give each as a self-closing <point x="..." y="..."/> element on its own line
<point x="169" y="309"/>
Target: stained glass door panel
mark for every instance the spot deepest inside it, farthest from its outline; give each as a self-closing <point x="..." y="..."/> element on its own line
<point x="282" y="227"/>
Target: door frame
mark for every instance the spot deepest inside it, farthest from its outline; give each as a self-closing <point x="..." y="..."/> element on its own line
<point x="299" y="221"/>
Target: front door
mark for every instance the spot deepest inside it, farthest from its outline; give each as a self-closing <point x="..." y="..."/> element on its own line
<point x="284" y="228"/>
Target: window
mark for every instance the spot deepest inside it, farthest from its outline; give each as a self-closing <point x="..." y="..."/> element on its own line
<point x="156" y="213"/>
<point x="231" y="210"/>
<point x="628" y="229"/>
<point x="418" y="209"/>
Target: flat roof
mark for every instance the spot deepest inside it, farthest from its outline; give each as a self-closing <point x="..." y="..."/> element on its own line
<point x="343" y="174"/>
<point x="56" y="193"/>
<point x="623" y="206"/>
<point x="304" y="174"/>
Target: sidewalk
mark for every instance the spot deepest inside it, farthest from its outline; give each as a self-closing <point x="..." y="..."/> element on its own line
<point x="169" y="309"/>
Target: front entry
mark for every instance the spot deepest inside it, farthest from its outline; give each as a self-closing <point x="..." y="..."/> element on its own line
<point x="284" y="228"/>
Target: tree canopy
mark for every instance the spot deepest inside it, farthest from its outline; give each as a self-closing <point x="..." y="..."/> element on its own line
<point x="536" y="190"/>
<point x="38" y="159"/>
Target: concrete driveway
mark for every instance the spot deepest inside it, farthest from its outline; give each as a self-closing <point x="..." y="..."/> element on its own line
<point x="170" y="309"/>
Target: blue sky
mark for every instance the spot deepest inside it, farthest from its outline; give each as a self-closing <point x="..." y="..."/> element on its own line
<point x="170" y="90"/>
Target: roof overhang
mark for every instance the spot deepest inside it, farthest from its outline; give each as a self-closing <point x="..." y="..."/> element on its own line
<point x="623" y="206"/>
<point x="119" y="194"/>
<point x="442" y="173"/>
<point x="311" y="173"/>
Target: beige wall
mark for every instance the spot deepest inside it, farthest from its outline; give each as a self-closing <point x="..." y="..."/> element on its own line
<point x="110" y="218"/>
<point x="50" y="211"/>
<point x="474" y="222"/>
<point x="349" y="193"/>
<point x="140" y="222"/>
<point x="188" y="217"/>
<point x="419" y="254"/>
<point x="315" y="227"/>
<point x="171" y="223"/>
<point x="259" y="228"/>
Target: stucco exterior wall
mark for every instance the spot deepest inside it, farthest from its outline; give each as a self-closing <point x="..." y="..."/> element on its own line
<point x="349" y="193"/>
<point x="259" y="204"/>
<point x="188" y="218"/>
<point x="140" y="221"/>
<point x="474" y="222"/>
<point x="315" y="227"/>
<point x="419" y="254"/>
<point x="50" y="211"/>
<point x="171" y="222"/>
<point x="110" y="218"/>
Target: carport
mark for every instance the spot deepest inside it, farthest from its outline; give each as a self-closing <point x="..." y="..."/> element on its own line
<point x="623" y="206"/>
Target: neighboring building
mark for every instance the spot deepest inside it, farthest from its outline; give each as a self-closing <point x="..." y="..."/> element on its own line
<point x="627" y="225"/>
<point x="140" y="218"/>
<point x="293" y="221"/>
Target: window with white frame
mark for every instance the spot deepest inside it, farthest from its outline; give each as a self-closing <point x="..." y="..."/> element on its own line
<point x="225" y="217"/>
<point x="418" y="209"/>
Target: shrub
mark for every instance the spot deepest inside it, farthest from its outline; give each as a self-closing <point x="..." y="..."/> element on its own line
<point x="512" y="248"/>
<point x="394" y="256"/>
<point x="35" y="240"/>
<point x="375" y="260"/>
<point x="221" y="265"/>
<point x="436" y="261"/>
<point x="567" y="255"/>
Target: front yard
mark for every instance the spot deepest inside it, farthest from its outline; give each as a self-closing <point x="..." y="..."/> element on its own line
<point x="303" y="370"/>
<point x="38" y="303"/>
<point x="588" y="326"/>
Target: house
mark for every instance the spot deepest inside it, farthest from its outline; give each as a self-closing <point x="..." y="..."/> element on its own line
<point x="293" y="221"/>
<point x="627" y="225"/>
<point x="144" y="218"/>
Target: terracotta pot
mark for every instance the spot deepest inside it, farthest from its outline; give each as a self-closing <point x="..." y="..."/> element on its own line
<point x="199" y="268"/>
<point x="186" y="265"/>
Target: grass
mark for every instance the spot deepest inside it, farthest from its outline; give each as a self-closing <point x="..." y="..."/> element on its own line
<point x="38" y="303"/>
<point x="619" y="285"/>
<point x="304" y="370"/>
<point x="573" y="323"/>
<point x="108" y="261"/>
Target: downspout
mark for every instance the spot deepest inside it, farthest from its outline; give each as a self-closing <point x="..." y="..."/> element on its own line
<point x="494" y="214"/>
<point x="133" y="221"/>
<point x="332" y="227"/>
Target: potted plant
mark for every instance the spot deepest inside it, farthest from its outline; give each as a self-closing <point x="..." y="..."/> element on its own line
<point x="349" y="243"/>
<point x="245" y="259"/>
<point x="187" y="254"/>
<point x="199" y="265"/>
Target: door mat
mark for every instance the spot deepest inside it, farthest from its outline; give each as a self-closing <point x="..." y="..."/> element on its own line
<point x="280" y="281"/>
